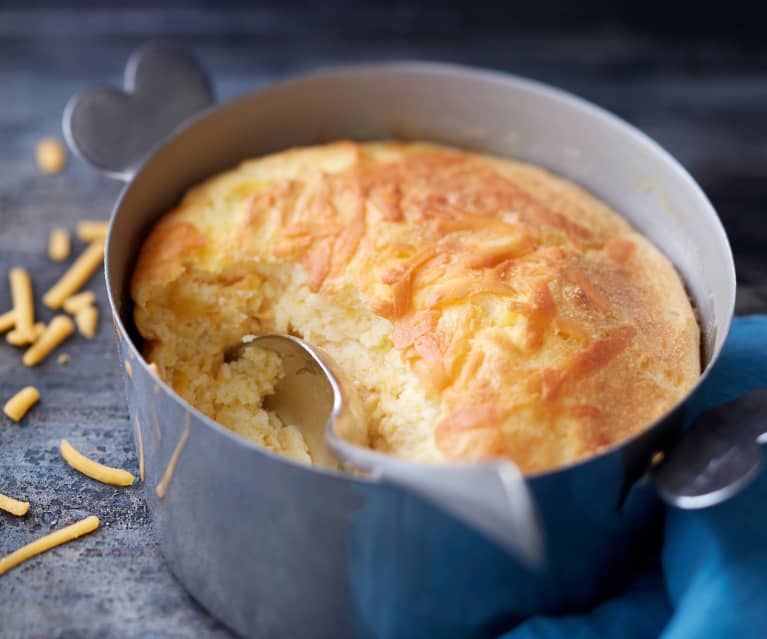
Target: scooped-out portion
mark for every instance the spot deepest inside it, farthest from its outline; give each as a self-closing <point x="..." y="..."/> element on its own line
<point x="483" y="307"/>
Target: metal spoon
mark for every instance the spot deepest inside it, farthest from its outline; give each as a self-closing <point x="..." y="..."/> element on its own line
<point x="492" y="498"/>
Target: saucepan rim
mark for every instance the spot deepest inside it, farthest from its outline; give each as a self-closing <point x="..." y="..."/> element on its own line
<point x="536" y="90"/>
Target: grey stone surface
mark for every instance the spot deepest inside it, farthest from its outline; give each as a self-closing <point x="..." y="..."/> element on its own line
<point x="703" y="99"/>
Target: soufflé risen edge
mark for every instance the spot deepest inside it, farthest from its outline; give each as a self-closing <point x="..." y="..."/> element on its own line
<point x="484" y="307"/>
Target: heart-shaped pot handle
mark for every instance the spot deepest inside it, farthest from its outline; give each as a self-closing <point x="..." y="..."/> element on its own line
<point x="114" y="131"/>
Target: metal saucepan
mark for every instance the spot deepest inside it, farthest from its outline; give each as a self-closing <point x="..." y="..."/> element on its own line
<point x="278" y="549"/>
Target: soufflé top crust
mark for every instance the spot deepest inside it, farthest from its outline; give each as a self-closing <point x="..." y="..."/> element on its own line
<point x="483" y="307"/>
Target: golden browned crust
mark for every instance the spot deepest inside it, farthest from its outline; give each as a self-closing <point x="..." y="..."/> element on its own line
<point x="539" y="323"/>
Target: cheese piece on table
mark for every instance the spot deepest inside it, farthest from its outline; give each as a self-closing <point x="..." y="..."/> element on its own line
<point x="94" y="470"/>
<point x="7" y="321"/>
<point x="51" y="156"/>
<point x="23" y="304"/>
<point x="18" y="405"/>
<point x="59" y="245"/>
<point x="13" y="506"/>
<point x="74" y="303"/>
<point x="92" y="230"/>
<point x="83" y="527"/>
<point x="77" y="274"/>
<point x="87" y="321"/>
<point x="56" y="332"/>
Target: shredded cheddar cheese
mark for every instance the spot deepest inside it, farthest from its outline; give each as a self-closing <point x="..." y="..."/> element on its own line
<point x="92" y="230"/>
<point x="14" y="338"/>
<point x="59" y="245"/>
<point x="77" y="274"/>
<point x="93" y="469"/>
<point x="23" y="304"/>
<point x="56" y="332"/>
<point x="13" y="506"/>
<point x="57" y="538"/>
<point x="87" y="320"/>
<point x="79" y="301"/>
<point x="7" y="321"/>
<point x="18" y="405"/>
<point x="51" y="156"/>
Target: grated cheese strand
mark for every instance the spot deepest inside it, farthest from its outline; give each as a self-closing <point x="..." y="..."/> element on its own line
<point x="14" y="338"/>
<point x="18" y="405"/>
<point x="94" y="470"/>
<point x="77" y="302"/>
<point x="51" y="156"/>
<point x="77" y="274"/>
<point x="56" y="332"/>
<point x="92" y="230"/>
<point x="23" y="303"/>
<point x="59" y="245"/>
<point x="7" y="321"/>
<point x="87" y="321"/>
<point x="13" y="506"/>
<point x="52" y="540"/>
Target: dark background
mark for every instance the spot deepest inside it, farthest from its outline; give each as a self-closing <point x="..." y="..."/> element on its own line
<point x="691" y="75"/>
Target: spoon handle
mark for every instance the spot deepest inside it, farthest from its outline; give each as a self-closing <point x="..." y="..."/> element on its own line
<point x="718" y="456"/>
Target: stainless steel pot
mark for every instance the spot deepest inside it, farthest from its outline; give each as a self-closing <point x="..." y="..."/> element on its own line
<point x="277" y="549"/>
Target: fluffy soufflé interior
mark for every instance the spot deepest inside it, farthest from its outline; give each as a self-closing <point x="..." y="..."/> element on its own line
<point x="483" y="307"/>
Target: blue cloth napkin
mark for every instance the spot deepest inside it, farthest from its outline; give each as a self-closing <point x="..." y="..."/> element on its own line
<point x="710" y="580"/>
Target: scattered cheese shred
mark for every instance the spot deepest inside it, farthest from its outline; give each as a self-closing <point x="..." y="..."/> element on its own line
<point x="63" y="358"/>
<point x="14" y="338"/>
<point x="40" y="329"/>
<point x="13" y="506"/>
<point x="51" y="156"/>
<point x="56" y="332"/>
<point x="18" y="405"/>
<point x="87" y="320"/>
<point x="7" y="321"/>
<point x="77" y="274"/>
<point x="92" y="230"/>
<point x="59" y="245"/>
<point x="94" y="470"/>
<point x="77" y="302"/>
<point x="57" y="538"/>
<point x="23" y="304"/>
<point x="128" y="369"/>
